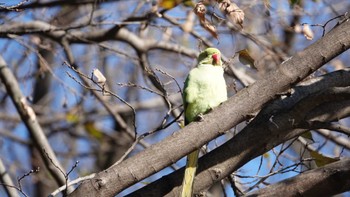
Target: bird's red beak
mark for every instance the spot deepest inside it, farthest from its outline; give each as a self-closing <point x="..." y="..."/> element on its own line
<point x="216" y="58"/>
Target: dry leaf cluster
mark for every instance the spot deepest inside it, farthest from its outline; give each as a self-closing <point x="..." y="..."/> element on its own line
<point x="233" y="12"/>
<point x="230" y="9"/>
<point x="200" y="10"/>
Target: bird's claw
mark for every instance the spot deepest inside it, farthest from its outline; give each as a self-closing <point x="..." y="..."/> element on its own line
<point x="200" y="118"/>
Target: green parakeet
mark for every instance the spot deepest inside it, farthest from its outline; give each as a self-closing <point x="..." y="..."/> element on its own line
<point x="204" y="89"/>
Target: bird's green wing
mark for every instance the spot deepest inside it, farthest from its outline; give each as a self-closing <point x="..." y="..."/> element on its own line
<point x="204" y="89"/>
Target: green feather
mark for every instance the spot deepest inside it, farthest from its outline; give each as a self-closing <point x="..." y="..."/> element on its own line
<point x="204" y="89"/>
<point x="205" y="86"/>
<point x="205" y="57"/>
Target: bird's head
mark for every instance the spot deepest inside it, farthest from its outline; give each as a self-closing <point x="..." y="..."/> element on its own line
<point x="210" y="56"/>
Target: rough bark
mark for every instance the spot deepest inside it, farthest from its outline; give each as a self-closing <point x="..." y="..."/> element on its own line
<point x="324" y="181"/>
<point x="244" y="103"/>
<point x="259" y="136"/>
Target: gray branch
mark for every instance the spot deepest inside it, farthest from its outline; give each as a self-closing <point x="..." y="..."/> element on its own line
<point x="7" y="181"/>
<point x="276" y="123"/>
<point x="30" y="120"/>
<point x="236" y="110"/>
<point x="324" y="181"/>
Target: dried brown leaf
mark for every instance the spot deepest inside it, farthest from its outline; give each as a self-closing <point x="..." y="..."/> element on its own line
<point x="209" y="27"/>
<point x="200" y="10"/>
<point x="322" y="160"/>
<point x="233" y="12"/>
<point x="246" y="59"/>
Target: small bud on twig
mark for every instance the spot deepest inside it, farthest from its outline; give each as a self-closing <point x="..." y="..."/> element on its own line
<point x="308" y="32"/>
<point x="98" y="77"/>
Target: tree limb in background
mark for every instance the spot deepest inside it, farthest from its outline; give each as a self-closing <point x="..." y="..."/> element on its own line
<point x="6" y="181"/>
<point x="29" y="118"/>
<point x="116" y="33"/>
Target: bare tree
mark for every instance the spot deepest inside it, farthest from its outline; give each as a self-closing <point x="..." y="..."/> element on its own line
<point x="91" y="97"/>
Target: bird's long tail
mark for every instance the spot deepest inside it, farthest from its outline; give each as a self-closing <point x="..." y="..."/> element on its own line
<point x="190" y="172"/>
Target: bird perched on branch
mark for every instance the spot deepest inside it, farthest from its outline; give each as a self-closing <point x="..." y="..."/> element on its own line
<point x="204" y="89"/>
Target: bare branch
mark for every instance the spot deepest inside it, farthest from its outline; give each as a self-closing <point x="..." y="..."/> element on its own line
<point x="25" y="175"/>
<point x="329" y="180"/>
<point x="14" y="7"/>
<point x="341" y="141"/>
<point x="29" y="118"/>
<point x="260" y="135"/>
<point x="255" y="96"/>
<point x="109" y="93"/>
<point x="6" y="180"/>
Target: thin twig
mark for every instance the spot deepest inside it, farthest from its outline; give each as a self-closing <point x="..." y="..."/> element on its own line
<point x="14" y="7"/>
<point x="103" y="90"/>
<point x="25" y="175"/>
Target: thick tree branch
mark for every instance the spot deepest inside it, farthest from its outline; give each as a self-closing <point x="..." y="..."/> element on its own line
<point x="248" y="144"/>
<point x="272" y="126"/>
<point x="236" y="109"/>
<point x="325" y="181"/>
